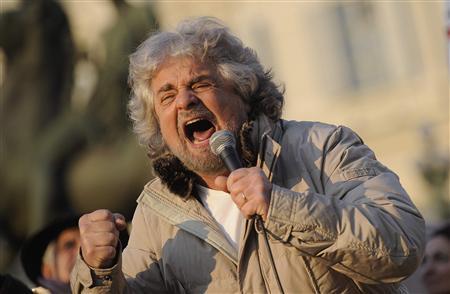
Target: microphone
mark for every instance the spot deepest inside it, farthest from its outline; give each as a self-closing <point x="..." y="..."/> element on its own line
<point x="223" y="144"/>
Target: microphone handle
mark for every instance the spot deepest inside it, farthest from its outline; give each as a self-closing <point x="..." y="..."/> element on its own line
<point x="230" y="158"/>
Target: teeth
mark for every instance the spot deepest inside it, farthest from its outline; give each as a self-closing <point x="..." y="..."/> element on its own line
<point x="193" y="121"/>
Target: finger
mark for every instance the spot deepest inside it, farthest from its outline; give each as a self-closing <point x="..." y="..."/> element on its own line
<point x="101" y="215"/>
<point x="256" y="208"/>
<point x="235" y="176"/>
<point x="239" y="199"/>
<point x="221" y="183"/>
<point x="253" y="184"/>
<point x="120" y="221"/>
<point x="239" y="188"/>
<point x="248" y="210"/>
<point x="97" y="227"/>
<point x="84" y="219"/>
<point x="103" y="239"/>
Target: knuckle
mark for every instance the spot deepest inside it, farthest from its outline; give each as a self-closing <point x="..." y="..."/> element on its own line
<point x="104" y="214"/>
<point x="89" y="242"/>
<point x="84" y="230"/>
<point x="83" y="220"/>
<point x="109" y="226"/>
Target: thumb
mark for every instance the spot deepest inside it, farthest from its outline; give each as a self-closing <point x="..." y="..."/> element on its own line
<point x="120" y="222"/>
<point x="221" y="183"/>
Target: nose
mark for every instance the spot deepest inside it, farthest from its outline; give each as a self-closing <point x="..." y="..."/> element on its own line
<point x="186" y="98"/>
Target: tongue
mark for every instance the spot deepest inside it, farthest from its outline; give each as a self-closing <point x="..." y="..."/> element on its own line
<point x="200" y="136"/>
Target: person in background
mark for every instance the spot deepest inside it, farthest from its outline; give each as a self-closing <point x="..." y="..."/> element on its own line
<point x="311" y="211"/>
<point x="49" y="255"/>
<point x="436" y="263"/>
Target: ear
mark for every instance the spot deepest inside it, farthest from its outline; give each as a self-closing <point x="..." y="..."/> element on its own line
<point x="47" y="271"/>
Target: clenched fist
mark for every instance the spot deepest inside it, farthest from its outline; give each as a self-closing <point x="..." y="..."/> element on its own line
<point x="99" y="232"/>
<point x="250" y="190"/>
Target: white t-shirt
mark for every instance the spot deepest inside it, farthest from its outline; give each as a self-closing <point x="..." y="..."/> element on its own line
<point x="224" y="211"/>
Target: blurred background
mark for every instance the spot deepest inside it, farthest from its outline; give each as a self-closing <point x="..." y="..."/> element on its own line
<point x="66" y="145"/>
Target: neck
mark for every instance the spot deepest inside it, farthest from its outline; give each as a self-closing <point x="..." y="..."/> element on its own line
<point x="208" y="180"/>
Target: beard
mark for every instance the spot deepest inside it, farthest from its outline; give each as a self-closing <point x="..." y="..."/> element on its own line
<point x="205" y="162"/>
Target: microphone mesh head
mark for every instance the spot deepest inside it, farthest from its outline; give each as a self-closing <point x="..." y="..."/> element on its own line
<point x="220" y="140"/>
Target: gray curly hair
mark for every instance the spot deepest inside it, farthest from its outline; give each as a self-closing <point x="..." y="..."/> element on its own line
<point x="207" y="40"/>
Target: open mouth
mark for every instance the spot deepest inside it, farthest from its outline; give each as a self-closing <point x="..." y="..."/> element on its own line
<point x="199" y="130"/>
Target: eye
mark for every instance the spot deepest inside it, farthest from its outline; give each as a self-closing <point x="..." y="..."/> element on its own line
<point x="441" y="257"/>
<point x="202" y="86"/>
<point x="69" y="245"/>
<point x="167" y="98"/>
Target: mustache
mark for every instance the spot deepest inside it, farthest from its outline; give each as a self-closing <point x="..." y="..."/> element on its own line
<point x="197" y="110"/>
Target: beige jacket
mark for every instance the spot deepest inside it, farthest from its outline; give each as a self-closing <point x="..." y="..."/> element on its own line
<point x="339" y="222"/>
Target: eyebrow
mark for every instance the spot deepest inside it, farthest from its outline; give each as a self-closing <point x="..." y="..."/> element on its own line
<point x="201" y="78"/>
<point x="166" y="87"/>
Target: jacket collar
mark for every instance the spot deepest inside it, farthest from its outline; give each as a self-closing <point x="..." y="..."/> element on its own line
<point x="267" y="135"/>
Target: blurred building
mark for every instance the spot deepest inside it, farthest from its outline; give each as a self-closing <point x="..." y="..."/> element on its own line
<point x="379" y="67"/>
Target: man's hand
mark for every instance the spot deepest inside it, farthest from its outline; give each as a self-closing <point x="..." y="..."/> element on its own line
<point x="250" y="190"/>
<point x="99" y="233"/>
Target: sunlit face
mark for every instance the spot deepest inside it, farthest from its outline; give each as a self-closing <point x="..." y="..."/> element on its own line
<point x="66" y="250"/>
<point x="192" y="102"/>
<point x="436" y="265"/>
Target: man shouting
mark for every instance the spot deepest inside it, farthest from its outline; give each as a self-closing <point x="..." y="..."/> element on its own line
<point x="311" y="211"/>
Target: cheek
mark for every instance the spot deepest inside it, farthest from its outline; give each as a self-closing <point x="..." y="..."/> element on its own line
<point x="167" y="124"/>
<point x="63" y="258"/>
<point x="169" y="131"/>
<point x="167" y="121"/>
<point x="445" y="270"/>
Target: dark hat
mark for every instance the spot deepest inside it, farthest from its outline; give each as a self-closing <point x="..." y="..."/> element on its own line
<point x="34" y="248"/>
<point x="9" y="284"/>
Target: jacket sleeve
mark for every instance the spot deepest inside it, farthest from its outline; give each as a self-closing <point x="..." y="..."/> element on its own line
<point x="136" y="271"/>
<point x="359" y="220"/>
